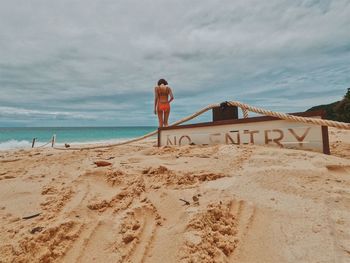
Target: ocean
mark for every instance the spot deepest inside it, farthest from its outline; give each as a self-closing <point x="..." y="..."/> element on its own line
<point x="21" y="138"/>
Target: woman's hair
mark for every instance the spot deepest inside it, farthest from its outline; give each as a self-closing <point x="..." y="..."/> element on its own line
<point x="162" y="81"/>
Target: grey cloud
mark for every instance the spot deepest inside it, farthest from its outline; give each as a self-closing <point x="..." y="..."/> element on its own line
<point x="11" y="112"/>
<point x="102" y="59"/>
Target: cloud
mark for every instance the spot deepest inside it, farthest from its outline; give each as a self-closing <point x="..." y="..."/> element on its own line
<point x="20" y="113"/>
<point x="102" y="59"/>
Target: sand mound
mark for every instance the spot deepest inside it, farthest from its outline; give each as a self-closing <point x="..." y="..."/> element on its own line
<point x="115" y="177"/>
<point x="210" y="235"/>
<point x="177" y="179"/>
<point x="54" y="203"/>
<point x="50" y="244"/>
<point x="123" y="199"/>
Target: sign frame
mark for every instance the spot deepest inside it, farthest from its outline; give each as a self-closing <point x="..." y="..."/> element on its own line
<point x="318" y="113"/>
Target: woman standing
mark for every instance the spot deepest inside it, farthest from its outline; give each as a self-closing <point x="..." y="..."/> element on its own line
<point x="162" y="92"/>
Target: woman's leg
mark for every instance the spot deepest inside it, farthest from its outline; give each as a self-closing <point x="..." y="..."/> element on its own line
<point x="160" y="118"/>
<point x="166" y="117"/>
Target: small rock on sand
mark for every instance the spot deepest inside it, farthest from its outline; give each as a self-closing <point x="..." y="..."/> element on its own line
<point x="128" y="238"/>
<point x="102" y="163"/>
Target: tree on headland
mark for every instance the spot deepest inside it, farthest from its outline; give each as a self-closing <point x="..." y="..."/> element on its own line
<point x="342" y="109"/>
<point x="337" y="111"/>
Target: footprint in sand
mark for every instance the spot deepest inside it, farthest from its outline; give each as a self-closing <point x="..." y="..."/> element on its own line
<point x="7" y="177"/>
<point x="339" y="169"/>
<point x="134" y="160"/>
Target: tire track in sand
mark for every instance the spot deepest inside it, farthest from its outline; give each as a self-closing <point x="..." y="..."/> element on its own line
<point x="216" y="234"/>
<point x="244" y="213"/>
<point x="338" y="209"/>
<point x="138" y="233"/>
<point x="98" y="233"/>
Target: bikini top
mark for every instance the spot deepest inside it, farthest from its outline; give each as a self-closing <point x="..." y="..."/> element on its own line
<point x="163" y="93"/>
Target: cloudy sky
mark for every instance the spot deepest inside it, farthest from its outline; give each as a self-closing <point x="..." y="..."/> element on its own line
<point x="95" y="63"/>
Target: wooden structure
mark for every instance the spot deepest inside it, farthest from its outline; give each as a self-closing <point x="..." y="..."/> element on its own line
<point x="256" y="130"/>
<point x="225" y="112"/>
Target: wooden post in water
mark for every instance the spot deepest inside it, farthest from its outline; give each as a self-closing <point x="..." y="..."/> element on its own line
<point x="33" y="142"/>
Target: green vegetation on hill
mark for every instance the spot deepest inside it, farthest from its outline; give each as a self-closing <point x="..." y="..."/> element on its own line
<point x="337" y="111"/>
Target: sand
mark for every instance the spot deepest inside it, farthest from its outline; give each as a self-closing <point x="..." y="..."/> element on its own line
<point x="219" y="203"/>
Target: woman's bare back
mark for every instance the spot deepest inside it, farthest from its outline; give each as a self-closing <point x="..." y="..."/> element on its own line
<point x="163" y="93"/>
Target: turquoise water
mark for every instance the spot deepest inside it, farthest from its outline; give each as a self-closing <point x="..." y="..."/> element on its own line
<point x="11" y="138"/>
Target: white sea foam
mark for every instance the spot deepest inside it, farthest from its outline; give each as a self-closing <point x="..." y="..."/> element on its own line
<point x="14" y="144"/>
<point x="24" y="144"/>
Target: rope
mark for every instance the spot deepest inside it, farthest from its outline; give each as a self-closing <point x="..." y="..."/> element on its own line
<point x="43" y="145"/>
<point x="245" y="108"/>
<point x="245" y="113"/>
<point x="209" y="107"/>
<point x="284" y="116"/>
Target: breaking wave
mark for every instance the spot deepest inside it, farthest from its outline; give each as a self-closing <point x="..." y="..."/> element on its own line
<point x="14" y="144"/>
<point x="24" y="144"/>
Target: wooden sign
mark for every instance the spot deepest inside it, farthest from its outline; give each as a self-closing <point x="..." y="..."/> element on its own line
<point x="257" y="130"/>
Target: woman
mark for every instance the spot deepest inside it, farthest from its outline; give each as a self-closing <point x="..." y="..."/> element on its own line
<point x="162" y="102"/>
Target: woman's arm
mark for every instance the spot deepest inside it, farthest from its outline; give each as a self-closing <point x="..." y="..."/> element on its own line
<point x="171" y="95"/>
<point x="155" y="100"/>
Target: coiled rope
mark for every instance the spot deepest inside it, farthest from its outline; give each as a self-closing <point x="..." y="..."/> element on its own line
<point x="245" y="108"/>
<point x="289" y="117"/>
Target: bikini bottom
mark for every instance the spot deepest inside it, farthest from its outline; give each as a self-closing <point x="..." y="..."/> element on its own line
<point x="163" y="106"/>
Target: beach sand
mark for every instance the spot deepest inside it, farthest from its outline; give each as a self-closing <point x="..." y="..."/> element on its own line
<point x="238" y="204"/>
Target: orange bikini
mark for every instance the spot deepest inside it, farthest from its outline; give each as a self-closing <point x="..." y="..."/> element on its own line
<point x="163" y="106"/>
